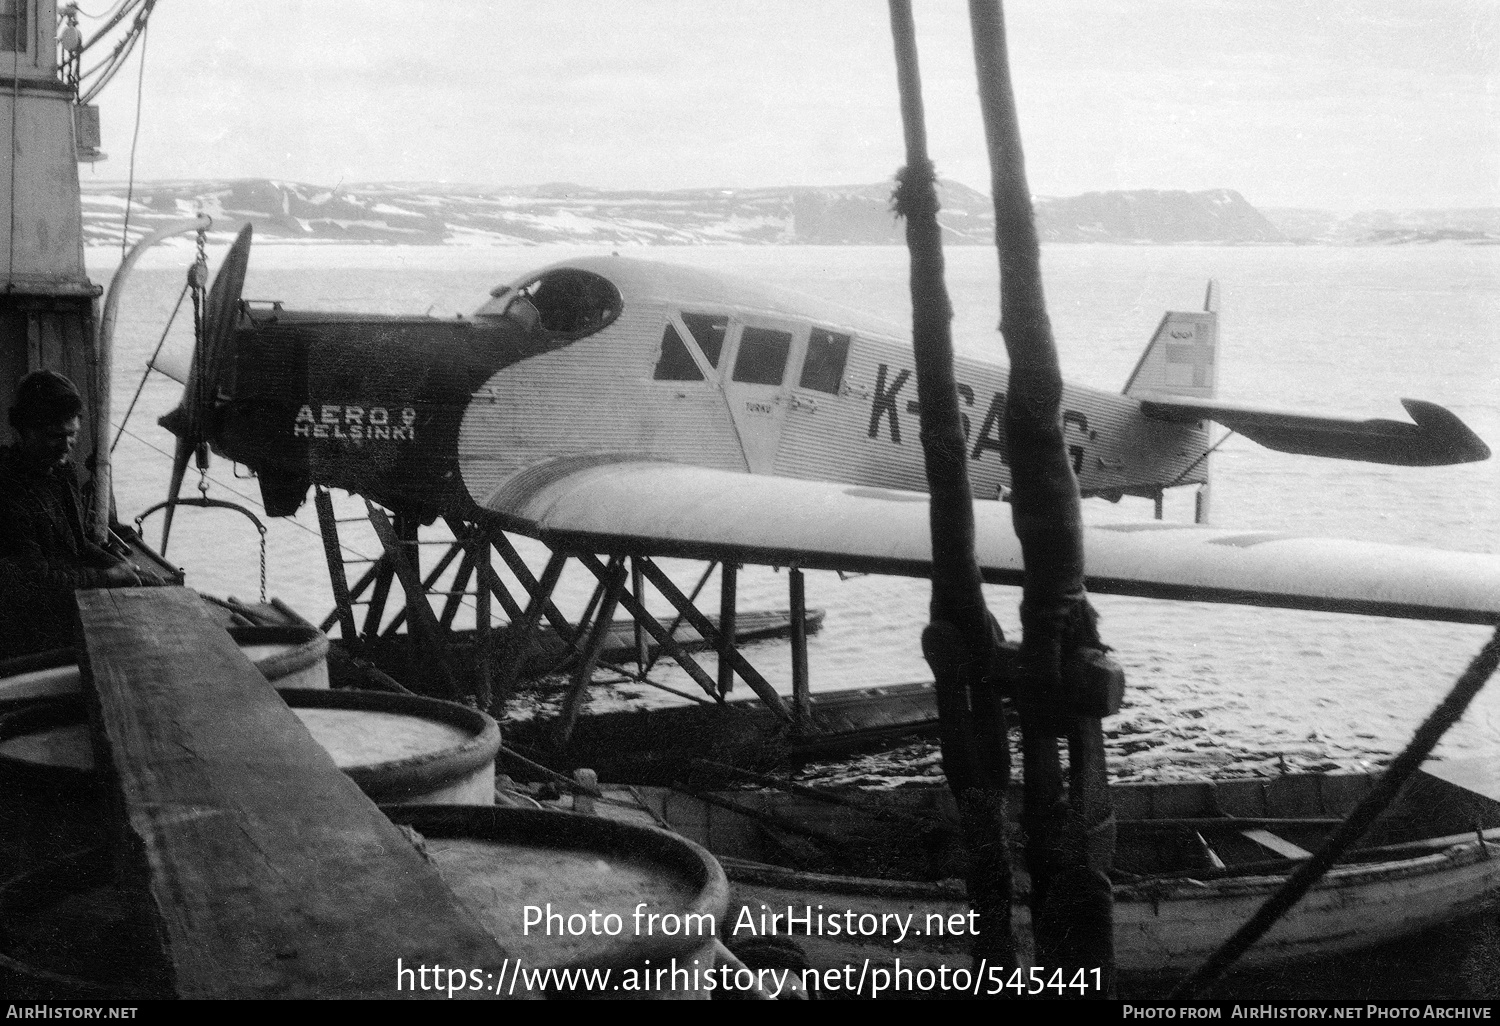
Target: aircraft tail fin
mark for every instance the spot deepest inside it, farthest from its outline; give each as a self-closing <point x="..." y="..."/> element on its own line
<point x="1182" y="358"/>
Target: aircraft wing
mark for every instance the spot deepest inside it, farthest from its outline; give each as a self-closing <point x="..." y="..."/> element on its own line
<point x="617" y="505"/>
<point x="1434" y="437"/>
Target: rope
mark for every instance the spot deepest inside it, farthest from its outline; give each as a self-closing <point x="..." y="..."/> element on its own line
<point x="107" y="11"/>
<point x="1447" y="713"/>
<point x="117" y="13"/>
<point x="234" y="491"/>
<point x="154" y="354"/>
<point x="111" y="65"/>
<point x="1205" y="455"/>
<point x="140" y="86"/>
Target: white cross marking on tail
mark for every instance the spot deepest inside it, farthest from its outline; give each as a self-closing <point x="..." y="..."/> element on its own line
<point x="1201" y="358"/>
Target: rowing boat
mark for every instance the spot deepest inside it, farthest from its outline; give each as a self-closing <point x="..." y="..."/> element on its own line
<point x="1193" y="861"/>
<point x="652" y="745"/>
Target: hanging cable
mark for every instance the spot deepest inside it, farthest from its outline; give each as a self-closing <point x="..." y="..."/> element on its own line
<point x="243" y="495"/>
<point x="197" y="280"/>
<point x="154" y="354"/>
<point x="110" y="66"/>
<point x="114" y="19"/>
<point x="140" y="86"/>
<point x="1201" y="457"/>
<point x="95" y="17"/>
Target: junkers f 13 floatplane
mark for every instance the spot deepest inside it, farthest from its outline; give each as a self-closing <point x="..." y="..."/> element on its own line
<point x="634" y="409"/>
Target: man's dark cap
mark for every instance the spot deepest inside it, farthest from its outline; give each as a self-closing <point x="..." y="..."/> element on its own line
<point x="44" y="397"/>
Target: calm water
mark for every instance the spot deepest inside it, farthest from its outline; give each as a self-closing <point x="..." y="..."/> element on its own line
<point x="1213" y="689"/>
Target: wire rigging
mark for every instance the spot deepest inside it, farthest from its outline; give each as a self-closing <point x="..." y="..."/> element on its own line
<point x="102" y="72"/>
<point x="243" y="495"/>
<point x="135" y="136"/>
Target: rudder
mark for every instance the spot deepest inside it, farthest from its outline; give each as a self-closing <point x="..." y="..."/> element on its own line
<point x="1182" y="357"/>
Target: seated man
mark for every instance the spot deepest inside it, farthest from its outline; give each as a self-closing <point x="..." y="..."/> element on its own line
<point x="45" y="554"/>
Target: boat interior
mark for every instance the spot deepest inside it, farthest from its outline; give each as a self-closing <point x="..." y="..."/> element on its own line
<point x="1197" y="830"/>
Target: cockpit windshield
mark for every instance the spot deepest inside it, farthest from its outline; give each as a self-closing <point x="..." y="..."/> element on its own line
<point x="565" y="302"/>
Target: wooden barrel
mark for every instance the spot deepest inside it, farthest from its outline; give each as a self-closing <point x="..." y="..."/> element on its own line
<point x="290" y="656"/>
<point x="397" y="748"/>
<point x="574" y="892"/>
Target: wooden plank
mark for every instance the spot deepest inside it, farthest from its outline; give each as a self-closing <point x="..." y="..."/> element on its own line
<point x="752" y="676"/>
<point x="424" y="624"/>
<point x="272" y="874"/>
<point x="801" y="697"/>
<point x="1480" y="776"/>
<point x="333" y="554"/>
<point x="728" y="596"/>
<point x="1214" y="862"/>
<point x="1280" y="845"/>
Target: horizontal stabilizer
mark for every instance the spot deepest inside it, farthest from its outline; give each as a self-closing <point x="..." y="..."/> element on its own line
<point x="1433" y="438"/>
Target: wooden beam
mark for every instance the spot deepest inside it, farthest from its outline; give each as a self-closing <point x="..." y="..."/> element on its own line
<point x="523" y="630"/>
<point x="384" y="574"/>
<point x="710" y="633"/>
<point x="479" y="540"/>
<point x="801" y="692"/>
<point x="638" y="589"/>
<point x="729" y="577"/>
<point x="272" y="875"/>
<point x="456" y="593"/>
<point x="365" y="580"/>
<point x="427" y="582"/>
<point x="342" y="600"/>
<point x="424" y="624"/>
<point x="657" y="631"/>
<point x="478" y="553"/>
<point x="612" y="584"/>
<point x="677" y="620"/>
<point x="523" y="574"/>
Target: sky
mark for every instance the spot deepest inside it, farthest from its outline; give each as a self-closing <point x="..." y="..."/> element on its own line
<point x="1342" y="105"/>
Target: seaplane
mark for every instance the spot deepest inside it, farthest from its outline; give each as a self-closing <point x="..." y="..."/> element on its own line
<point x="632" y="409"/>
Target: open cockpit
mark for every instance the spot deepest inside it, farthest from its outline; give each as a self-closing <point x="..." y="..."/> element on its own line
<point x="566" y="302"/>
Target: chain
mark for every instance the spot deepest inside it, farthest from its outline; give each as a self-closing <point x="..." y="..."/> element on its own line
<point x="198" y="281"/>
<point x="262" y="529"/>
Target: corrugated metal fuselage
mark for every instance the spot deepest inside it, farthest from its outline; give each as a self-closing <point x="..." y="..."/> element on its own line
<point x="432" y="417"/>
<point x="600" y="395"/>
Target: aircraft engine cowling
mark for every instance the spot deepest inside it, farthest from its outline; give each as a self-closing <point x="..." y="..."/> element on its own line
<point x="369" y="404"/>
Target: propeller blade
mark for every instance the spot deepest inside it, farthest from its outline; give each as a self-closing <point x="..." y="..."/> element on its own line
<point x="219" y="323"/>
<point x="179" y="470"/>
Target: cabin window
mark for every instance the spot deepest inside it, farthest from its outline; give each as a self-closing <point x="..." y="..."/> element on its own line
<point x="762" y="358"/>
<point x="709" y="332"/>
<point x="823" y="369"/>
<point x="675" y="362"/>
<point x="567" y="302"/>
<point x="14" y="25"/>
